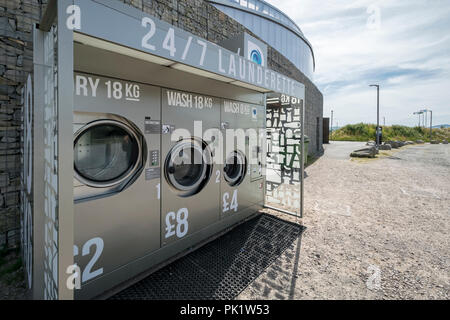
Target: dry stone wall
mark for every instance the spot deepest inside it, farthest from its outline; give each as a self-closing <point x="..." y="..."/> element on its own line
<point x="16" y="61"/>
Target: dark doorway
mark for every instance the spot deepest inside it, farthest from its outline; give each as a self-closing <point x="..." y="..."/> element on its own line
<point x="318" y="134"/>
<point x="326" y="130"/>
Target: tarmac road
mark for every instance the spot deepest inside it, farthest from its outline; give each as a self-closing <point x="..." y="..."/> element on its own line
<point x="341" y="149"/>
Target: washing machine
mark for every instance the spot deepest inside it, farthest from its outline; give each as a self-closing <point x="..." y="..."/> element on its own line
<point x="190" y="188"/>
<point x="116" y="174"/>
<point x="242" y="186"/>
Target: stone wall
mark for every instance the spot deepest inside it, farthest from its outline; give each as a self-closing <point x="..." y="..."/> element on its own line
<point x="16" y="61"/>
<point x="16" y="57"/>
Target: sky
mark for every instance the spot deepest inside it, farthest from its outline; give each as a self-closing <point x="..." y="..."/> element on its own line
<point x="402" y="45"/>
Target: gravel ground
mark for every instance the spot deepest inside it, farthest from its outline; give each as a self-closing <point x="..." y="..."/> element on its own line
<point x="376" y="229"/>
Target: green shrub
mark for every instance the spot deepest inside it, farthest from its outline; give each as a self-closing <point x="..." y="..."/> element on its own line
<point x="366" y="132"/>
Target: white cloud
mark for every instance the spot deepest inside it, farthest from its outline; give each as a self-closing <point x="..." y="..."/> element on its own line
<point x="408" y="56"/>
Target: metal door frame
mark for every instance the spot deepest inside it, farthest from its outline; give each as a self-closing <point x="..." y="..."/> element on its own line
<point x="52" y="224"/>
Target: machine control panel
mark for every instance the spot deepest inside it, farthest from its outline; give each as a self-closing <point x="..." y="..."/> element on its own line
<point x="154" y="158"/>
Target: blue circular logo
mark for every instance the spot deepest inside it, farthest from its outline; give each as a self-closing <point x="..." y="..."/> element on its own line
<point x="255" y="56"/>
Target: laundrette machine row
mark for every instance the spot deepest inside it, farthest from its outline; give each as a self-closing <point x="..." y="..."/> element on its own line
<point x="153" y="174"/>
<point x="130" y="162"/>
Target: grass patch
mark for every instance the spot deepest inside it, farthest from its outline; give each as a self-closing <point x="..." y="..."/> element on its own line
<point x="366" y="132"/>
<point x="10" y="263"/>
<point x="3" y="253"/>
<point x="11" y="268"/>
<point x="310" y="160"/>
<point x="362" y="160"/>
<point x="17" y="278"/>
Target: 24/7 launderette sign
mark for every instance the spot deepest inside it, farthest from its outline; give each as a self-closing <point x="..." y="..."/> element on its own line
<point x="127" y="26"/>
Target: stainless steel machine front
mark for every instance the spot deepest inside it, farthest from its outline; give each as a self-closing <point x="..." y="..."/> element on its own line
<point x="189" y="191"/>
<point x="116" y="152"/>
<point x="243" y="130"/>
<point x="149" y="175"/>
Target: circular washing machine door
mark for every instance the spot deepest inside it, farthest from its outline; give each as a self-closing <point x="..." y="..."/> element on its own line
<point x="188" y="166"/>
<point x="235" y="168"/>
<point x="106" y="153"/>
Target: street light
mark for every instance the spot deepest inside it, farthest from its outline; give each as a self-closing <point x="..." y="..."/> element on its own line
<point x="419" y="113"/>
<point x="431" y="121"/>
<point x="331" y="134"/>
<point x="378" y="114"/>
<point x="431" y="125"/>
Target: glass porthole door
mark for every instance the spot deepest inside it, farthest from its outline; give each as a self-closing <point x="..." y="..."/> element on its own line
<point x="235" y="168"/>
<point x="187" y="167"/>
<point x="106" y="153"/>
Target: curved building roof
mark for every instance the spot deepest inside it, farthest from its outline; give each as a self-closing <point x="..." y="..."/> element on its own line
<point x="274" y="27"/>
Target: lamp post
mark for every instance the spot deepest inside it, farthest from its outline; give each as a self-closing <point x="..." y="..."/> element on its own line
<point x="419" y="113"/>
<point x="425" y="120"/>
<point x="431" y="125"/>
<point x="331" y="134"/>
<point x="431" y="121"/>
<point x="378" y="114"/>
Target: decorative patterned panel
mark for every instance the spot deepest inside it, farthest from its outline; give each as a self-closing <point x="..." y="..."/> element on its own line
<point x="284" y="158"/>
<point x="26" y="218"/>
<point x="50" y="167"/>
